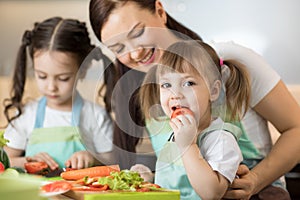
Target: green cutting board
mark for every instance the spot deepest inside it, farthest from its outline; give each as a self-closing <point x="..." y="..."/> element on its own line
<point x="161" y="195"/>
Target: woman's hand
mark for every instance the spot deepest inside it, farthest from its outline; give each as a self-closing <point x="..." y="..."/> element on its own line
<point x="243" y="186"/>
<point x="185" y="130"/>
<point x="80" y="159"/>
<point x="144" y="171"/>
<point x="43" y="157"/>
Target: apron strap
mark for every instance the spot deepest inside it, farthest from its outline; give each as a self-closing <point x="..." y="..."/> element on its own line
<point x="40" y="113"/>
<point x="76" y="110"/>
<point x="234" y="130"/>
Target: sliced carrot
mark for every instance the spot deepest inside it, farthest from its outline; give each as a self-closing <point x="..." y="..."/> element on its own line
<point x="98" y="171"/>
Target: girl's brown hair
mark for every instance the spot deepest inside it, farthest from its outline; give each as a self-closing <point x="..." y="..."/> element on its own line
<point x="199" y="58"/>
<point x="54" y="34"/>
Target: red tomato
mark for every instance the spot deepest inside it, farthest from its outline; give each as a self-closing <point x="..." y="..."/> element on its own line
<point x="35" y="167"/>
<point x="57" y="186"/>
<point x="181" y="111"/>
<point x="2" y="167"/>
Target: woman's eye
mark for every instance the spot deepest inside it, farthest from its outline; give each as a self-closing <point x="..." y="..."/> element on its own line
<point x="119" y="49"/>
<point x="165" y="85"/>
<point x="138" y="32"/>
<point x="189" y="83"/>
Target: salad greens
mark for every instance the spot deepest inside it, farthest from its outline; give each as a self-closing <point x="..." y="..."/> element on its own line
<point x="3" y="156"/>
<point x="123" y="180"/>
<point x="3" y="141"/>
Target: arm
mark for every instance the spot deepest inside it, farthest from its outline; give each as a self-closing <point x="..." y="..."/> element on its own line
<point x="211" y="184"/>
<point x="16" y="157"/>
<point x="285" y="153"/>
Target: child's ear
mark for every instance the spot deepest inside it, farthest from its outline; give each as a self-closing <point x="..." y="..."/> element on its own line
<point x="215" y="90"/>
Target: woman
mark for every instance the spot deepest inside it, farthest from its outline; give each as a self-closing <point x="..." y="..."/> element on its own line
<point x="137" y="49"/>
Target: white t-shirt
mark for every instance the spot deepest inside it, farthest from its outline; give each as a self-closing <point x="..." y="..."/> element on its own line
<point x="221" y="151"/>
<point x="263" y="79"/>
<point x="95" y="126"/>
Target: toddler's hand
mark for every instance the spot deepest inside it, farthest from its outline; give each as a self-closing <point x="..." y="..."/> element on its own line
<point x="43" y="157"/>
<point x="144" y="171"/>
<point x="80" y="159"/>
<point x="185" y="130"/>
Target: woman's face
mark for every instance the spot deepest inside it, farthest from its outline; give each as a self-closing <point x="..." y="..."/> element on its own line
<point x="135" y="36"/>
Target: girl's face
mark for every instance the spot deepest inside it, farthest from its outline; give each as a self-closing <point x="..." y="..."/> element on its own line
<point x="55" y="74"/>
<point x="135" y="36"/>
<point x="185" y="90"/>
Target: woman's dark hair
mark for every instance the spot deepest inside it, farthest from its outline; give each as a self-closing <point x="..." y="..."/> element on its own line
<point x="100" y="10"/>
<point x="53" y="34"/>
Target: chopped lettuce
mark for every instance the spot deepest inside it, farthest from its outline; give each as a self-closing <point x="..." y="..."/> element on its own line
<point x="3" y="141"/>
<point x="123" y="180"/>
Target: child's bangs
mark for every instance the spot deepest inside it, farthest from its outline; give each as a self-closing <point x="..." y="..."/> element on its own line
<point x="174" y="63"/>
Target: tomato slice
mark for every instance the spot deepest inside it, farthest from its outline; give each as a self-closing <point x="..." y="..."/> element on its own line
<point x="35" y="167"/>
<point x="2" y="167"/>
<point x="57" y="186"/>
<point x="181" y="111"/>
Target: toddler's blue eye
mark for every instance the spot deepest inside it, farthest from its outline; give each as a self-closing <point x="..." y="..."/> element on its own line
<point x="189" y="83"/>
<point x="165" y="85"/>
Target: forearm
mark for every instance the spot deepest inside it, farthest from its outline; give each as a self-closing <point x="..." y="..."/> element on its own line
<point x="283" y="157"/>
<point x="17" y="161"/>
<point x="207" y="183"/>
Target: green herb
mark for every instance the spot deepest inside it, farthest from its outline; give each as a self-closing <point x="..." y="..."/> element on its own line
<point x="123" y="180"/>
<point x="3" y="141"/>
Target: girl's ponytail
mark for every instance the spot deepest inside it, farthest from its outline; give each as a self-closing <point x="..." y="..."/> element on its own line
<point x="238" y="89"/>
<point x="19" y="79"/>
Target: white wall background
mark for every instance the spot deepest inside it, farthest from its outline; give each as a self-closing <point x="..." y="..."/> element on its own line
<point x="270" y="27"/>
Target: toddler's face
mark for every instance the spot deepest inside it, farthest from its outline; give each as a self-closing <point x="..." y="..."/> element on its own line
<point x="55" y="74"/>
<point x="185" y="90"/>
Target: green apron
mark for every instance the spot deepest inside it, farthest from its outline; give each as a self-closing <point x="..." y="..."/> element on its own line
<point x="59" y="142"/>
<point x="159" y="131"/>
<point x="170" y="172"/>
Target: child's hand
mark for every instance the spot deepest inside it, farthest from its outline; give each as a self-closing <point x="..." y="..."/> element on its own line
<point x="144" y="171"/>
<point x="185" y="130"/>
<point x="43" y="157"/>
<point x="80" y="159"/>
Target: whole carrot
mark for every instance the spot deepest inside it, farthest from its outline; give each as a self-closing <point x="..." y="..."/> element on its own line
<point x="98" y="171"/>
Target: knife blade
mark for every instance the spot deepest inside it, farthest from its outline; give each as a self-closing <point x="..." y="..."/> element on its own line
<point x="55" y="172"/>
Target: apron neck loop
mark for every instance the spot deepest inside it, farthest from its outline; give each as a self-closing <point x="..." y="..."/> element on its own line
<point x="76" y="110"/>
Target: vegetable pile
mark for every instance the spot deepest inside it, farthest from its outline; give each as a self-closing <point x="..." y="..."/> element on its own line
<point x="103" y="178"/>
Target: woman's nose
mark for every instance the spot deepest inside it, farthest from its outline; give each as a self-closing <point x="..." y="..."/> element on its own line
<point x="136" y="54"/>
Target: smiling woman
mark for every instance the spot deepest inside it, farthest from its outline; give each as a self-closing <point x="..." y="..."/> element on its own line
<point x="265" y="105"/>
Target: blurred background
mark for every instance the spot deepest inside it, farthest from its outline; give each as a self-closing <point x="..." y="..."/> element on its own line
<point x="270" y="27"/>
